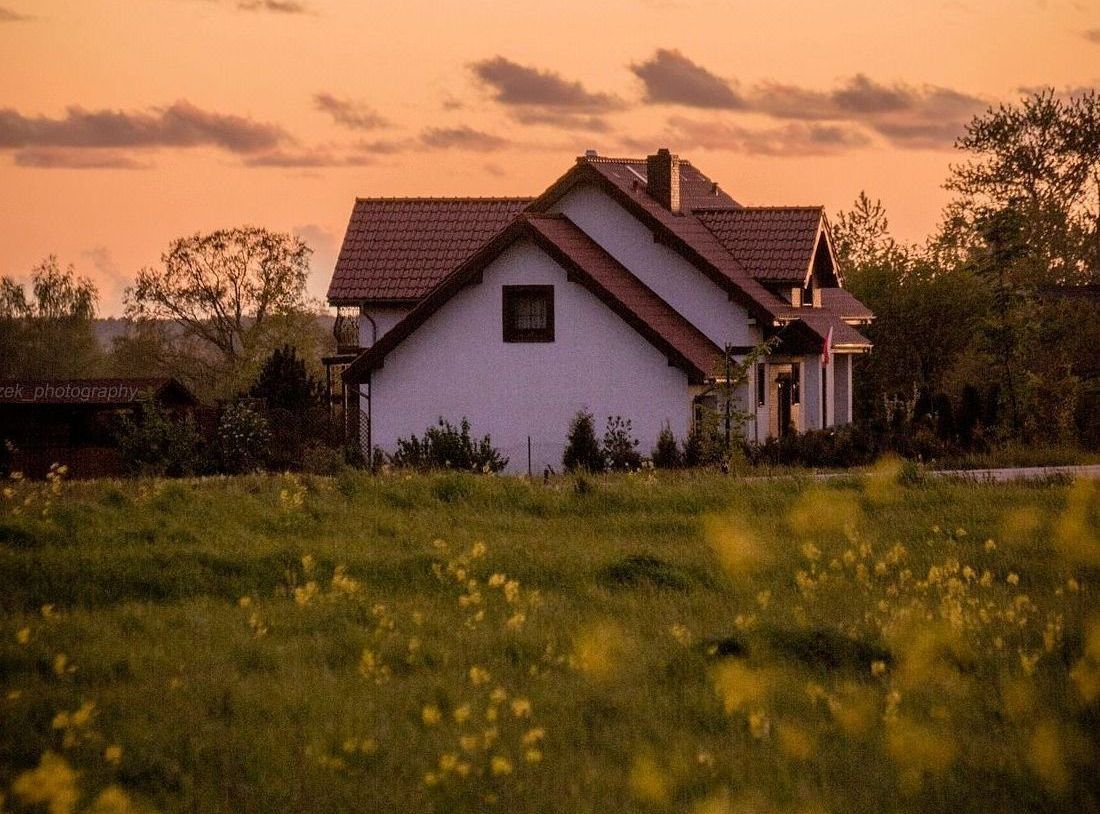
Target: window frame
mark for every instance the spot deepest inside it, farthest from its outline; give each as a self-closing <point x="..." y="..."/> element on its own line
<point x="510" y="295"/>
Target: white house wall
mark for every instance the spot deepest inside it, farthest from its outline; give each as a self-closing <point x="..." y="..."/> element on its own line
<point x="457" y="365"/>
<point x="376" y="320"/>
<point x="670" y="276"/>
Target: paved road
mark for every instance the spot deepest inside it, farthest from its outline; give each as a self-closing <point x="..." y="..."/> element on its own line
<point x="1020" y="473"/>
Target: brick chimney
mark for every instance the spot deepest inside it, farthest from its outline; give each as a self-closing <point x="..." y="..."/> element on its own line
<point x="663" y="179"/>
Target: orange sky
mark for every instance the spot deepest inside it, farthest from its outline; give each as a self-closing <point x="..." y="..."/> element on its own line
<point x="125" y="123"/>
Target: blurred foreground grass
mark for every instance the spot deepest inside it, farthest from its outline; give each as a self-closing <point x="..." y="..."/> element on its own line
<point x="642" y="643"/>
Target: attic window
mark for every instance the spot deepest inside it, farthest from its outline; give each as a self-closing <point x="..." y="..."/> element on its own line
<point x="528" y="313"/>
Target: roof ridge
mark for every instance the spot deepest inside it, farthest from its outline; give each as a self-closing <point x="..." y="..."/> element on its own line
<point x="608" y="159"/>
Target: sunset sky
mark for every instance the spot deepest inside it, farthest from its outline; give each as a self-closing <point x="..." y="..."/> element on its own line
<point x="126" y="123"/>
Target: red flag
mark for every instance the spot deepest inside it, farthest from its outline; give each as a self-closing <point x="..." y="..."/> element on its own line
<point x="827" y="348"/>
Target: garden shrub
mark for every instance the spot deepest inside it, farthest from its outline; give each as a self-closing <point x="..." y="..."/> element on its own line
<point x="706" y="443"/>
<point x="620" y="447"/>
<point x="667" y="455"/>
<point x="448" y="447"/>
<point x="157" y="443"/>
<point x="242" y="440"/>
<point x="582" y="450"/>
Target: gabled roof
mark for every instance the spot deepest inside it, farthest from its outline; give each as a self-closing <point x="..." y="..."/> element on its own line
<point x="398" y="249"/>
<point x="841" y="302"/>
<point x="684" y="233"/>
<point x="775" y="244"/>
<point x="589" y="265"/>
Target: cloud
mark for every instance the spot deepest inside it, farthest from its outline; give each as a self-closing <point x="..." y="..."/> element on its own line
<point x="349" y="113"/>
<point x="9" y="16"/>
<point x="562" y="120"/>
<point x="277" y="6"/>
<point x="1092" y="35"/>
<point x="70" y="158"/>
<point x="670" y="77"/>
<point x="907" y="116"/>
<point x="792" y="139"/>
<point x="542" y="97"/>
<point x="460" y="138"/>
<point x="308" y="158"/>
<point x="179" y="125"/>
<point x="515" y="84"/>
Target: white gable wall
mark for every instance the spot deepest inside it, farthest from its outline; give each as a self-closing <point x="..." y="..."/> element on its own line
<point x="679" y="283"/>
<point x="670" y="276"/>
<point x="457" y="365"/>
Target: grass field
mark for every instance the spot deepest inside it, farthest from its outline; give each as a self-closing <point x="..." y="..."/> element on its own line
<point x="639" y="643"/>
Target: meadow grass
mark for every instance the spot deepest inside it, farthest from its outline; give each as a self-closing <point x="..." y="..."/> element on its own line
<point x="637" y="643"/>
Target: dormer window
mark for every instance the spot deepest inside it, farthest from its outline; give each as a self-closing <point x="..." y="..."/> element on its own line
<point x="528" y="313"/>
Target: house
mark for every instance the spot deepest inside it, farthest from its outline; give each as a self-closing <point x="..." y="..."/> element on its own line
<point x="73" y="421"/>
<point x="619" y="290"/>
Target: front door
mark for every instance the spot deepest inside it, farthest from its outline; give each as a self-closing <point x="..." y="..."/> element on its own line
<point x="785" y="388"/>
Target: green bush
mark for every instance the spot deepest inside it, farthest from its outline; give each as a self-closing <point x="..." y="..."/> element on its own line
<point x="157" y="443"/>
<point x="582" y="450"/>
<point x="667" y="455"/>
<point x="242" y="440"/>
<point x="448" y="447"/>
<point x="620" y="447"/>
<point x="706" y="443"/>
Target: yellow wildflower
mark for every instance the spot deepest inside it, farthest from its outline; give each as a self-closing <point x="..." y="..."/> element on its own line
<point x="532" y="736"/>
<point x="500" y="765"/>
<point x="448" y="761"/>
<point x="479" y="676"/>
<point x="23" y="635"/>
<point x="431" y="715"/>
<point x="532" y="755"/>
<point x="497" y="580"/>
<point x="681" y="634"/>
<point x="462" y="713"/>
<point x="1013" y="579"/>
<point x="878" y="668"/>
<point x="52" y="783"/>
<point x="113" y="754"/>
<point x="61" y="664"/>
<point x="468" y="742"/>
<point x="759" y="725"/>
<point x="521" y="708"/>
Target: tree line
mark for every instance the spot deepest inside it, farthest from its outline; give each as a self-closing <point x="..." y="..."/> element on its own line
<point x="215" y="309"/>
<point x="987" y="332"/>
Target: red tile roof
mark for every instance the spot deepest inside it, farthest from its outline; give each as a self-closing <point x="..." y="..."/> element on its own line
<point x="841" y="302"/>
<point x="398" y="249"/>
<point x="819" y="321"/>
<point x="696" y="189"/>
<point x="775" y="244"/>
<point x="587" y="264"/>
